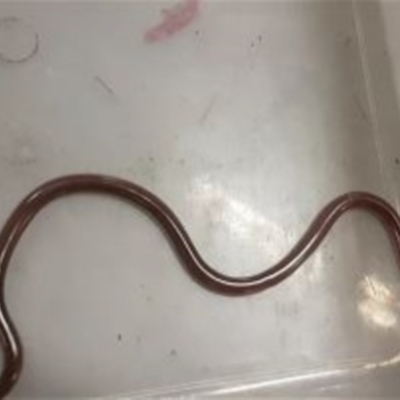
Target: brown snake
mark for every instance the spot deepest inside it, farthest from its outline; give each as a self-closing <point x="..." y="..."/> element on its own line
<point x="194" y="264"/>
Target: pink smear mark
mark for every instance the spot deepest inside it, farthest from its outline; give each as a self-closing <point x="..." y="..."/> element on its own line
<point x="175" y="19"/>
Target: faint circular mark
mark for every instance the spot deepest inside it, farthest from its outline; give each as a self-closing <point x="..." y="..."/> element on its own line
<point x="18" y="40"/>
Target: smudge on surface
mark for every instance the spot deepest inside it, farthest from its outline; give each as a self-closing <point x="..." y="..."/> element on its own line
<point x="174" y="20"/>
<point x="104" y="85"/>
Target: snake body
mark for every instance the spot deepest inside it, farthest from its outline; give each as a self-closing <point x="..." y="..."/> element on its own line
<point x="198" y="269"/>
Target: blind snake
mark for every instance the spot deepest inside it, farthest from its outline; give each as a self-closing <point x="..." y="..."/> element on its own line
<point x="190" y="258"/>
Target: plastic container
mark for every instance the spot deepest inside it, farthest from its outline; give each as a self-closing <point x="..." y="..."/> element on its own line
<point x="246" y="122"/>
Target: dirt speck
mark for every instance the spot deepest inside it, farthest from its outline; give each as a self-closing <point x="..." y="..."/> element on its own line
<point x="347" y="42"/>
<point x="252" y="45"/>
<point x="149" y="299"/>
<point x="173" y="353"/>
<point x="397" y="160"/>
<point x="119" y="337"/>
<point x="260" y="38"/>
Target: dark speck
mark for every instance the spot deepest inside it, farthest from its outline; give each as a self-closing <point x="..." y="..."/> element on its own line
<point x="149" y="299"/>
<point x="119" y="337"/>
<point x="182" y="161"/>
<point x="141" y="286"/>
<point x="260" y="38"/>
<point x="397" y="161"/>
<point x="197" y="33"/>
<point x="348" y="41"/>
<point x="252" y="44"/>
<point x="151" y="159"/>
<point x="173" y="353"/>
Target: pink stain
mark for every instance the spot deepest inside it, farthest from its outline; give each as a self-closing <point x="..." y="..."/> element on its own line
<point x="175" y="19"/>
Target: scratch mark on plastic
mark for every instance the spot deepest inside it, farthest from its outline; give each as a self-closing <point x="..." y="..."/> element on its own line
<point x="104" y="85"/>
<point x="207" y="110"/>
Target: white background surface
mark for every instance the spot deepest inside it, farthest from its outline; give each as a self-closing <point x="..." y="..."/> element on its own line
<point x="245" y="123"/>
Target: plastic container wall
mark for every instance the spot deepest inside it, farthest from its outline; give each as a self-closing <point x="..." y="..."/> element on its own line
<point x="246" y="122"/>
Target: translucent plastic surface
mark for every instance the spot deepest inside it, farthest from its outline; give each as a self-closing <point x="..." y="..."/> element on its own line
<point x="246" y="122"/>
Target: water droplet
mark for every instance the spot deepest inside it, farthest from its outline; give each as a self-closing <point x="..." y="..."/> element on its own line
<point x="18" y="40"/>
